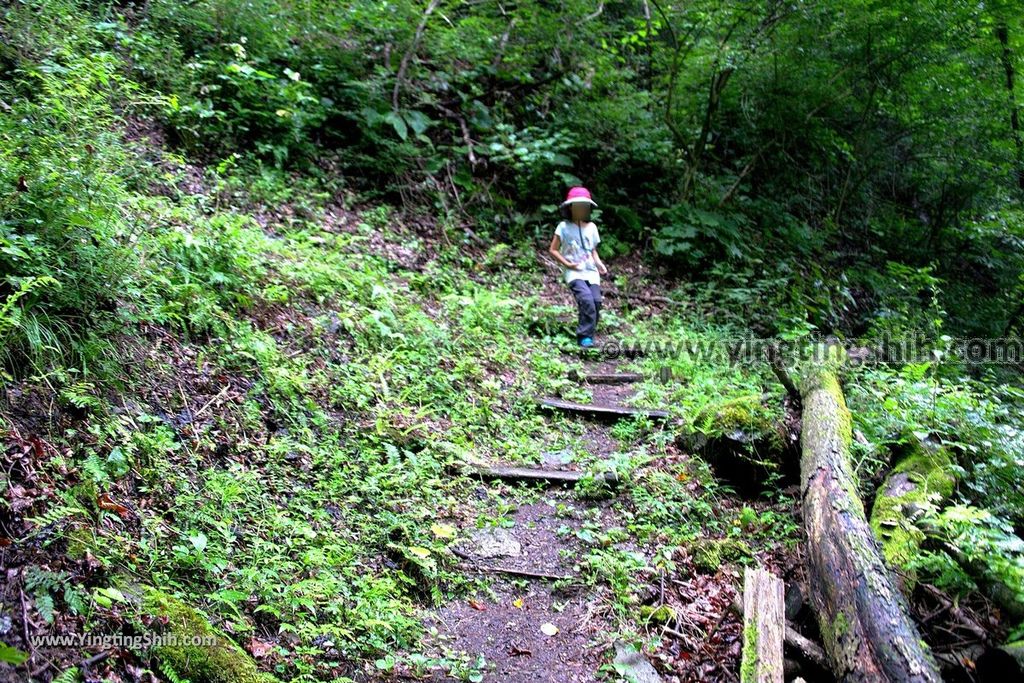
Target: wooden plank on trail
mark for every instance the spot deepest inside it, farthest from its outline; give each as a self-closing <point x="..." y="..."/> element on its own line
<point x="764" y="627"/>
<point x="606" y="377"/>
<point x="606" y="411"/>
<point x="558" y="477"/>
<point x="611" y="350"/>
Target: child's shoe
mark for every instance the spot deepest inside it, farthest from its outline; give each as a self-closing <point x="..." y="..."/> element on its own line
<point x="586" y="342"/>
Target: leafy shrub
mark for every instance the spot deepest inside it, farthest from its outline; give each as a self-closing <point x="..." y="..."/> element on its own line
<point x="694" y="235"/>
<point x="236" y="100"/>
<point x="65" y="241"/>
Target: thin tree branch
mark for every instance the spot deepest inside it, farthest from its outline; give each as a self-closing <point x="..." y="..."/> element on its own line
<point x="407" y="57"/>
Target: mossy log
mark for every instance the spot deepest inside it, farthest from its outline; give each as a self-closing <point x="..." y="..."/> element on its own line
<point x="864" y="619"/>
<point x="922" y="474"/>
<point x="764" y="627"/>
<point x="194" y="648"/>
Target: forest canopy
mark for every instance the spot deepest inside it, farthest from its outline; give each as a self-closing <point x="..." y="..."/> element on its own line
<point x="747" y="132"/>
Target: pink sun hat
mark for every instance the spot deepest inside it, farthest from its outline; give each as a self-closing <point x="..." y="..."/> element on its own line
<point x="578" y="194"/>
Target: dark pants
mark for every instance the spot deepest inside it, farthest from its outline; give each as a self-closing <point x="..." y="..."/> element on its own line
<point x="588" y="301"/>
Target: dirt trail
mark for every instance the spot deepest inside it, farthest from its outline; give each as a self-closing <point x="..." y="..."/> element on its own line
<point x="510" y="626"/>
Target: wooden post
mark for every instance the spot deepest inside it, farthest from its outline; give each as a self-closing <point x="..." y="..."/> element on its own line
<point x="764" y="627"/>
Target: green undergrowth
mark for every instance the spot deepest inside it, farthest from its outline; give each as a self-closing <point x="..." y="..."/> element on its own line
<point x="970" y="528"/>
<point x="260" y="421"/>
<point x="238" y="387"/>
<point x="305" y="508"/>
<point x="707" y="372"/>
<point x="257" y="421"/>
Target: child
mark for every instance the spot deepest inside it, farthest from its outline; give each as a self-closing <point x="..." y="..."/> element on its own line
<point x="574" y="245"/>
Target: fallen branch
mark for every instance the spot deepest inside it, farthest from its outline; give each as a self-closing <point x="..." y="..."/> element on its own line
<point x="24" y="625"/>
<point x="806" y="648"/>
<point x="954" y="610"/>
<point x="86" y="664"/>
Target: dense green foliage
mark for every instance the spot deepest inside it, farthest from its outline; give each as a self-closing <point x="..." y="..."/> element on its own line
<point x="754" y="132"/>
<point x="195" y="223"/>
<point x="800" y="136"/>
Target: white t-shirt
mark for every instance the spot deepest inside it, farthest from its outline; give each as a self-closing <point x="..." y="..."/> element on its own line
<point x="577" y="246"/>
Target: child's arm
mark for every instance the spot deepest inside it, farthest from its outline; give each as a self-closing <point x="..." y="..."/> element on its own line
<point x="601" y="268"/>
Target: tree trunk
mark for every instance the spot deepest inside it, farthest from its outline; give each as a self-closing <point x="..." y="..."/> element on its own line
<point x="764" y="627"/>
<point x="695" y="156"/>
<point x="864" y="619"/>
<point x="1006" y="57"/>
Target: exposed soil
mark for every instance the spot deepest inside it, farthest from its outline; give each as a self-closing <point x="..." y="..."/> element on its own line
<point x="511" y="640"/>
<point x="504" y="623"/>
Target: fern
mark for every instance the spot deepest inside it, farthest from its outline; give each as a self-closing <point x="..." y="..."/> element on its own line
<point x="68" y="676"/>
<point x="96" y="468"/>
<point x="81" y="395"/>
<point x="43" y="584"/>
<point x="10" y="316"/>
<point x="75" y="599"/>
<point x="56" y="515"/>
<point x="170" y="674"/>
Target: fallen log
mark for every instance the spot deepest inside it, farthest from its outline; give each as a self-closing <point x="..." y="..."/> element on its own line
<point x="924" y="475"/>
<point x="921" y="475"/>
<point x="764" y="627"/>
<point x="863" y="617"/>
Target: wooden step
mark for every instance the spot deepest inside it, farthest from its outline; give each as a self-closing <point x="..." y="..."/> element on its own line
<point x="606" y="377"/>
<point x="556" y="477"/>
<point x="609" y="351"/>
<point x="607" y="412"/>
